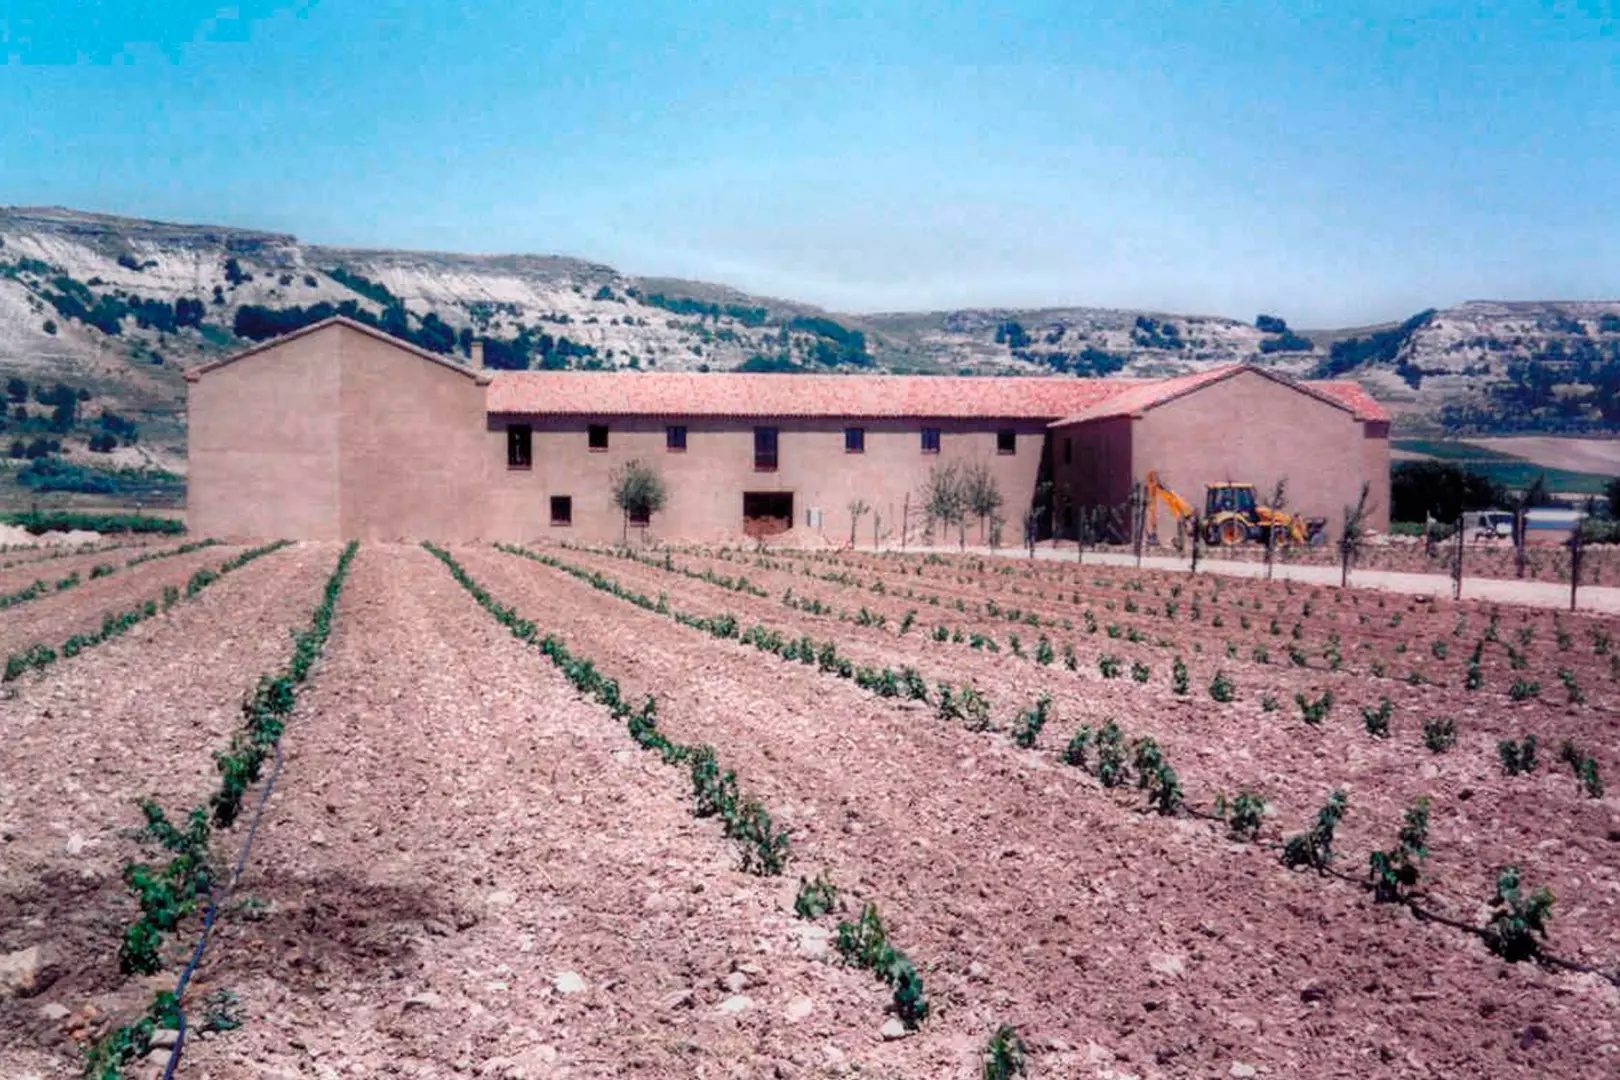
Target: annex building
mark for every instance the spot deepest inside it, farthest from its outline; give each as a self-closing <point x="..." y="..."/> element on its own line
<point x="338" y="431"/>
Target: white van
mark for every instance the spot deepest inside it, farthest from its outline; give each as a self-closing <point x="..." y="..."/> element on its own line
<point x="1488" y="524"/>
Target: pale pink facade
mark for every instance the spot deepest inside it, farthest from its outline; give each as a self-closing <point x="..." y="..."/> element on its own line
<point x="338" y="431"/>
<point x="336" y="434"/>
<point x="707" y="481"/>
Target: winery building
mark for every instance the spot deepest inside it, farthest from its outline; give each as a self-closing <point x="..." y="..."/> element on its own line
<point x="339" y="431"/>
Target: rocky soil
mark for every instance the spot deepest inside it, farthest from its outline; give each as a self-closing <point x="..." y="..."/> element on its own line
<point x="20" y="569"/>
<point x="132" y="718"/>
<point x="1079" y="914"/>
<point x="79" y="610"/>
<point x="467" y="869"/>
<point x="1482" y="820"/>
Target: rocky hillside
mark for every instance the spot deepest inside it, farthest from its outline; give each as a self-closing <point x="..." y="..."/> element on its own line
<point x="118" y="308"/>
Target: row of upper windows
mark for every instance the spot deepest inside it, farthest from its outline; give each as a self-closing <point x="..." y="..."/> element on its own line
<point x="520" y="442"/>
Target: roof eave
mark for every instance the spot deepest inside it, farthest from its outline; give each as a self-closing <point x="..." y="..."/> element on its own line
<point x="1024" y="418"/>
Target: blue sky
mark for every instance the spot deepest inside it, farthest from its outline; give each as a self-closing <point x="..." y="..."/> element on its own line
<point x="1335" y="167"/>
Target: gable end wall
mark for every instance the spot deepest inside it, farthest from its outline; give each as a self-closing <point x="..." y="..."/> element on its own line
<point x="262" y="445"/>
<point x="1251" y="429"/>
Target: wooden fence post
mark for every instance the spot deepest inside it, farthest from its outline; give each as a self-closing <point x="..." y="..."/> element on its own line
<point x="1574" y="564"/>
<point x="1457" y="564"/>
<point x="1138" y="521"/>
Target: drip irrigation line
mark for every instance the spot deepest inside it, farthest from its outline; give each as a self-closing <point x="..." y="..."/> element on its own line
<point x="1429" y="914"/>
<point x="212" y="914"/>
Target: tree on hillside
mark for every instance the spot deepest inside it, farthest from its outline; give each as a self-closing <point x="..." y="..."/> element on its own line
<point x="639" y="493"/>
<point x="1537" y="494"/>
<point x="1611" y="491"/>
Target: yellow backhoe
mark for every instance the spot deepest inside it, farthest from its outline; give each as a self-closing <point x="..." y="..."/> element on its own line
<point x="1154" y="493"/>
<point x="1231" y="516"/>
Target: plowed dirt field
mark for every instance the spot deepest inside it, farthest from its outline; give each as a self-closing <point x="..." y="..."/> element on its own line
<point x="472" y="864"/>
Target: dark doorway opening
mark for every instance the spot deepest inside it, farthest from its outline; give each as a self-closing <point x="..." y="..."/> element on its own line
<point x="767" y="513"/>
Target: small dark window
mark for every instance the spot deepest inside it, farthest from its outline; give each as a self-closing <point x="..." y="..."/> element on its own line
<point x="562" y="509"/>
<point x="854" y="440"/>
<point x="764" y="449"/>
<point x="597" y="437"/>
<point x="519" y="446"/>
<point x="1006" y="441"/>
<point x="1068" y="451"/>
<point x="675" y="438"/>
<point x="930" y="440"/>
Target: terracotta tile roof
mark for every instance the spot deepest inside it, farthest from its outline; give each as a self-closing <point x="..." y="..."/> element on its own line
<point x="1363" y="404"/>
<point x="1145" y="395"/>
<point x="1148" y="393"/>
<point x="576" y="393"/>
<point x="739" y="394"/>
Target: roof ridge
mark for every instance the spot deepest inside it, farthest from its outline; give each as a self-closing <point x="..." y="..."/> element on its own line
<point x="482" y="378"/>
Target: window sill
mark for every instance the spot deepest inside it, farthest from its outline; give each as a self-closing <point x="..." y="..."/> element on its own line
<point x="764" y="468"/>
<point x="854" y="451"/>
<point x="597" y="449"/>
<point x="561" y="524"/>
<point x="518" y="468"/>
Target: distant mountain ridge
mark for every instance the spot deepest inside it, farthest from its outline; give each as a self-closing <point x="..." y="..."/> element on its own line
<point x="122" y="306"/>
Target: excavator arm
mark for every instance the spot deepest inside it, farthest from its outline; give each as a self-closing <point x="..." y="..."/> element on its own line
<point x="1155" y="492"/>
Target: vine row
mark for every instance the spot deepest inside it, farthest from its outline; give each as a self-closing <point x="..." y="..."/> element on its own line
<point x="1117" y="761"/>
<point x="42" y="587"/>
<point x="764" y="847"/>
<point x="169" y="892"/>
<point x="39" y="656"/>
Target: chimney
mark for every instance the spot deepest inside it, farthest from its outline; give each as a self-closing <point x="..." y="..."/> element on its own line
<point x="476" y="360"/>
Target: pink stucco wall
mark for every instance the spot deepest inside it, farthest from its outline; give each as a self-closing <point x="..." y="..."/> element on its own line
<point x="707" y="481"/>
<point x="1096" y="468"/>
<point x="262" y="442"/>
<point x="410" y="441"/>
<point x="335" y="435"/>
